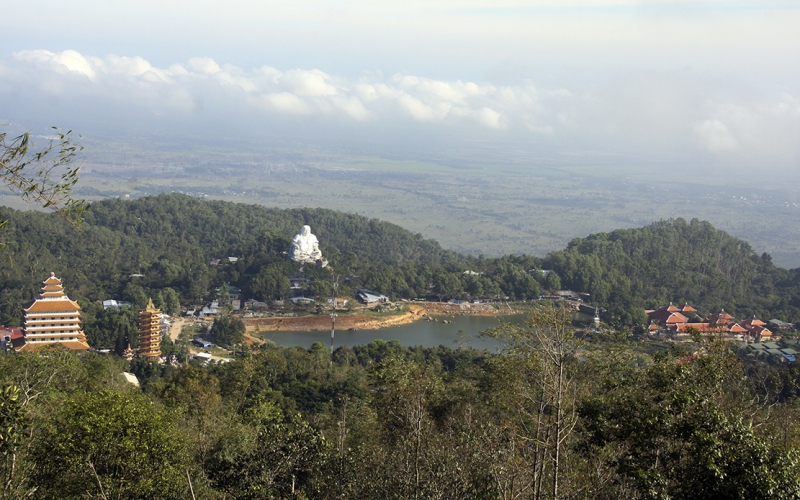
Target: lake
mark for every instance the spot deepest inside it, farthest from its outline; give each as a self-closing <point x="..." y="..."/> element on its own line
<point x="424" y="333"/>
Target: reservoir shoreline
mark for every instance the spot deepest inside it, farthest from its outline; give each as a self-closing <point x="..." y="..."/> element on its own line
<point x="355" y="322"/>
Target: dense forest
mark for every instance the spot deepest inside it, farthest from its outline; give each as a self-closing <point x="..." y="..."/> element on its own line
<point x="163" y="247"/>
<point x="552" y="417"/>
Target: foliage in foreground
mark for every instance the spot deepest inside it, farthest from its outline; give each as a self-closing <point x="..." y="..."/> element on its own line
<point x="554" y="416"/>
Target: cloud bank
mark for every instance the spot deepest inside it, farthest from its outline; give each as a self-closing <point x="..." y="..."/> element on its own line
<point x="664" y="112"/>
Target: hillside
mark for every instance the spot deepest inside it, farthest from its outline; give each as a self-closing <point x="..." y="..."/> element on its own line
<point x="676" y="261"/>
<point x="172" y="239"/>
<point x="169" y="242"/>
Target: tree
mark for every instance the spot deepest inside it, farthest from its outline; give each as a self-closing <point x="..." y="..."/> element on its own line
<point x="12" y="415"/>
<point x="270" y="284"/>
<point x="552" y="282"/>
<point x="446" y="284"/>
<point x="686" y="427"/>
<point x="537" y="374"/>
<point x="227" y="330"/>
<point x="44" y="176"/>
<point x="172" y="303"/>
<point x="110" y="444"/>
<point x="279" y="461"/>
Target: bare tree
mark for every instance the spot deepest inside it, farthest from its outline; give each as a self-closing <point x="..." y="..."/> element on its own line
<point x="544" y="403"/>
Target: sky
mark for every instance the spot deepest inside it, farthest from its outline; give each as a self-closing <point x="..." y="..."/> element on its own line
<point x="700" y="83"/>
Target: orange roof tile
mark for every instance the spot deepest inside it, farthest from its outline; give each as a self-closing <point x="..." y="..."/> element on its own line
<point x="700" y="327"/>
<point x="52" y="280"/>
<point x="752" y="322"/>
<point x="760" y="331"/>
<point x="74" y="345"/>
<point x="38" y="305"/>
<point x="663" y="316"/>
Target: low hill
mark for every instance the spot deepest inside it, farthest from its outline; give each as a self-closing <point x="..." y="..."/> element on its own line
<point x="676" y="261"/>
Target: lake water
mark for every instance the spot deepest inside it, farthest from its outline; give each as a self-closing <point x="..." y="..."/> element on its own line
<point x="424" y="333"/>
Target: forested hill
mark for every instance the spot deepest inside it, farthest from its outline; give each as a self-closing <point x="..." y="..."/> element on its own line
<point x="169" y="241"/>
<point x="677" y="261"/>
<point x="221" y="228"/>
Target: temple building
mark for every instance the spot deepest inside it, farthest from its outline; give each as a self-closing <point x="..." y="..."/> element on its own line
<point x="52" y="318"/>
<point x="149" y="333"/>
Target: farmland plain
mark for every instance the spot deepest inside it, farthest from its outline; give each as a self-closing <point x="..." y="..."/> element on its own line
<point x="519" y="205"/>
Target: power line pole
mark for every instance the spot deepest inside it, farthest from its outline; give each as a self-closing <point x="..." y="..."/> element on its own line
<point x="333" y="314"/>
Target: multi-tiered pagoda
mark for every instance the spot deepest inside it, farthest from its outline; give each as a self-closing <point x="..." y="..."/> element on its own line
<point x="53" y="318"/>
<point x="149" y="333"/>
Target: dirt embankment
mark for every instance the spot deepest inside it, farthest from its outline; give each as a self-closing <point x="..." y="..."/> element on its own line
<point x="367" y="322"/>
<point x="467" y="309"/>
<point x="343" y="322"/>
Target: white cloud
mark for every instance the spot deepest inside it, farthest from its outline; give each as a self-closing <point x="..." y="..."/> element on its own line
<point x="421" y="111"/>
<point x="655" y="112"/>
<point x="204" y="65"/>
<point x="68" y="59"/>
<point x="714" y="136"/>
<point x="286" y="103"/>
<point x="353" y="107"/>
<point x="489" y="118"/>
<point x="308" y="83"/>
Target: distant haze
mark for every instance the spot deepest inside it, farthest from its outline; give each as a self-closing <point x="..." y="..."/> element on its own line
<point x="698" y="85"/>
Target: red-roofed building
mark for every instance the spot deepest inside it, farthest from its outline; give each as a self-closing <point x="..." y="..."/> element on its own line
<point x="753" y="322"/>
<point x="731" y="329"/>
<point x="12" y="335"/>
<point x="760" y="333"/>
<point x="719" y="319"/>
<point x="736" y="329"/>
<point x="667" y="316"/>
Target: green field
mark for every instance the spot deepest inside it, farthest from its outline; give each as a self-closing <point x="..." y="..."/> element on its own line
<point x="468" y="206"/>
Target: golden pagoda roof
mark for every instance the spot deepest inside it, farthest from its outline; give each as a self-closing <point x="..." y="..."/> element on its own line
<point x="52" y="299"/>
<point x="41" y="306"/>
<point x="150" y="307"/>
<point x="74" y="345"/>
<point x="52" y="280"/>
<point x="52" y="287"/>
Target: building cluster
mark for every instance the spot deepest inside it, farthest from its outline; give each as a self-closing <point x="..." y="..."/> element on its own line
<point x="677" y="321"/>
<point x="52" y="319"/>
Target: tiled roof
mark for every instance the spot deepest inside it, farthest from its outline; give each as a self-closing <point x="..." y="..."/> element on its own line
<point x="700" y="327"/>
<point x="663" y="316"/>
<point x="760" y="331"/>
<point x="736" y="328"/>
<point x="75" y="345"/>
<point x="752" y="322"/>
<point x="39" y="305"/>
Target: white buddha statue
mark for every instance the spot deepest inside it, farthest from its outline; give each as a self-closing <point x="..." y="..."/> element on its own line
<point x="305" y="247"/>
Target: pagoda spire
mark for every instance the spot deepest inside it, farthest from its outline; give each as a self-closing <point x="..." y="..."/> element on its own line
<point x="149" y="332"/>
